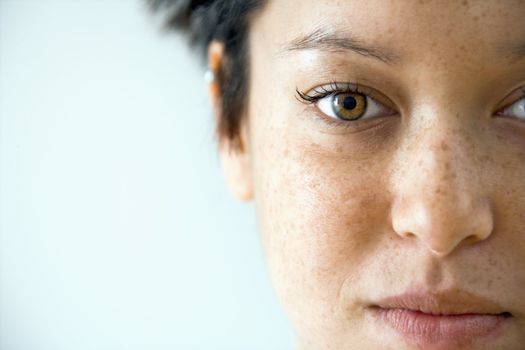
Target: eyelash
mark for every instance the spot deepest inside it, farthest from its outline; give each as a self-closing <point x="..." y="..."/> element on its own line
<point x="334" y="88"/>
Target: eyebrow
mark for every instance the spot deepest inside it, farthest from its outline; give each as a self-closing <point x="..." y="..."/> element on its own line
<point x="324" y="40"/>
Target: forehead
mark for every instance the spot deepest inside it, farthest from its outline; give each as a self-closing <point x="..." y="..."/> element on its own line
<point x="407" y="29"/>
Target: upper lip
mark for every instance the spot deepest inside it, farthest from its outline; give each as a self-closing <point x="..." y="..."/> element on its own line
<point x="449" y="302"/>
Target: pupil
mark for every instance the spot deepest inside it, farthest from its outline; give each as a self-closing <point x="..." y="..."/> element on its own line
<point x="349" y="102"/>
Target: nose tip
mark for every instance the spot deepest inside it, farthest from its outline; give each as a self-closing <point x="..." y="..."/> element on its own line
<point x="443" y="228"/>
<point x="440" y="193"/>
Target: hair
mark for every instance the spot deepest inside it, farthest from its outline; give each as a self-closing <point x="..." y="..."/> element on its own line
<point x="226" y="21"/>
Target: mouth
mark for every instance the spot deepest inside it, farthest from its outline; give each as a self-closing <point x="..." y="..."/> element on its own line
<point x="442" y="320"/>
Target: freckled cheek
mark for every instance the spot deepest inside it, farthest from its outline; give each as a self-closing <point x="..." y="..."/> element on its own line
<point x="320" y="216"/>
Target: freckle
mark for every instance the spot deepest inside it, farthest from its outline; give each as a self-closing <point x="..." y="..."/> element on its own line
<point x="484" y="158"/>
<point x="444" y="146"/>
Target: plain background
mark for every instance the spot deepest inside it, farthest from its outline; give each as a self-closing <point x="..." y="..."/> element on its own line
<point x="116" y="228"/>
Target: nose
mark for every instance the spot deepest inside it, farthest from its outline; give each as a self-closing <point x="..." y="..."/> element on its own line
<point x="439" y="195"/>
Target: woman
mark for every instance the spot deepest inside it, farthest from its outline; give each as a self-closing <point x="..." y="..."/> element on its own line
<point x="384" y="145"/>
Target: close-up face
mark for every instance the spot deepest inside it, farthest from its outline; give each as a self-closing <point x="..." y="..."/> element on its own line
<point x="384" y="146"/>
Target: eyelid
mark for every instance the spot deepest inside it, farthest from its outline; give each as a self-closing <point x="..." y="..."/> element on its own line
<point x="515" y="96"/>
<point x="336" y="87"/>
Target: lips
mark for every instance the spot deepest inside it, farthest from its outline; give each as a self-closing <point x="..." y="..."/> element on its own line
<point x="445" y="320"/>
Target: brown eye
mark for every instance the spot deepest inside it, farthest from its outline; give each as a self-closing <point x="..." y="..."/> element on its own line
<point x="349" y="106"/>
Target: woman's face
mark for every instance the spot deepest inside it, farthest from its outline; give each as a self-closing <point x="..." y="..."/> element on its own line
<point x="402" y="225"/>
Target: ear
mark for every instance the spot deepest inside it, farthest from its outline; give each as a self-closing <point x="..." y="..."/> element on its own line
<point x="235" y="155"/>
<point x="237" y="169"/>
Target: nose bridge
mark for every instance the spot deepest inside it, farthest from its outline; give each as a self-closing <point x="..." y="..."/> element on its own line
<point x="440" y="159"/>
<point x="438" y="191"/>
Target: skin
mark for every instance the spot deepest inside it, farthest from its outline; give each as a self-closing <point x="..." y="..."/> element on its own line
<point x="431" y="197"/>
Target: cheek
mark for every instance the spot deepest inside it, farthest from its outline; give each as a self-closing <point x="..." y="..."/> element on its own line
<point x="321" y="217"/>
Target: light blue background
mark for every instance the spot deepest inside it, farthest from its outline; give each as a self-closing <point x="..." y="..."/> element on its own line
<point x="116" y="229"/>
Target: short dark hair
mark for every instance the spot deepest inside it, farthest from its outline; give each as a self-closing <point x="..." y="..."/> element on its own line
<point x="226" y="21"/>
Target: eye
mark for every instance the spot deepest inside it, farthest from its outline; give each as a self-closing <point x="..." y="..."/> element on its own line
<point x="515" y="110"/>
<point x="351" y="106"/>
<point x="345" y="102"/>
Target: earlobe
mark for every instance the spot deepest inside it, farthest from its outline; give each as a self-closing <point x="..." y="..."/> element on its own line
<point x="236" y="164"/>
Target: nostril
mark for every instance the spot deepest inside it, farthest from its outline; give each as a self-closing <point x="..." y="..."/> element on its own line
<point x="409" y="235"/>
<point x="472" y="239"/>
<point x="442" y="225"/>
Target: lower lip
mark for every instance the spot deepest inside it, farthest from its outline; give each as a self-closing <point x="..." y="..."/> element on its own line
<point x="442" y="331"/>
